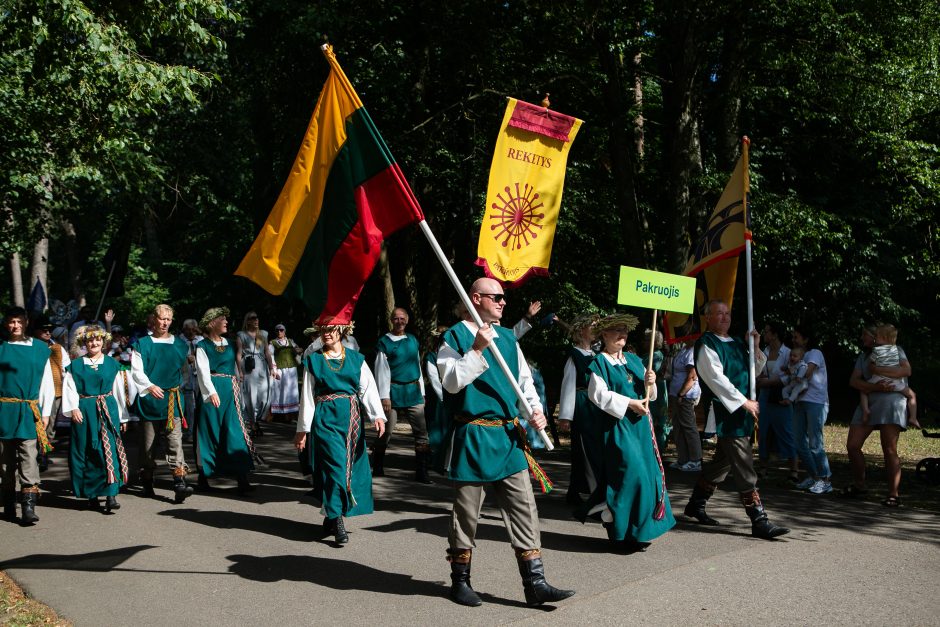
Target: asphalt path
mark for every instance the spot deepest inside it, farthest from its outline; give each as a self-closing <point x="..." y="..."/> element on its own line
<point x="260" y="560"/>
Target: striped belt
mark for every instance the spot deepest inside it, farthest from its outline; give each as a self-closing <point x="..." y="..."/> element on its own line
<point x="104" y="420"/>
<point x="352" y="435"/>
<point x="40" y="429"/>
<point x="537" y="472"/>
<point x="415" y="382"/>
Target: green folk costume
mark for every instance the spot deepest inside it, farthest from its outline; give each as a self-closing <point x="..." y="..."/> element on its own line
<point x="438" y="420"/>
<point x="223" y="445"/>
<point x="582" y="422"/>
<point x="97" y="461"/>
<point x="338" y="448"/>
<point x="632" y="486"/>
<point x="404" y="362"/>
<point x="485" y="444"/>
<point x="659" y="409"/>
<point x="734" y="359"/>
<point x="21" y="371"/>
<point x="163" y="365"/>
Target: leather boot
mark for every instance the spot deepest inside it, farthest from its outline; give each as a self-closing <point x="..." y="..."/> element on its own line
<point x="146" y="482"/>
<point x="111" y="503"/>
<point x="9" y="505"/>
<point x="94" y="503"/>
<point x="244" y="487"/>
<point x="181" y="491"/>
<point x="202" y="483"/>
<point x="28" y="503"/>
<point x="537" y="590"/>
<point x="378" y="460"/>
<point x="696" y="505"/>
<point x="460" y="590"/>
<point x="421" y="466"/>
<point x="761" y="527"/>
<point x="339" y="532"/>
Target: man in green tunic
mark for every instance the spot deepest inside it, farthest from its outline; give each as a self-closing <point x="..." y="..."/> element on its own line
<point x="26" y="397"/>
<point x="722" y="365"/>
<point x="157" y="370"/>
<point x="488" y="447"/>
<point x="401" y="388"/>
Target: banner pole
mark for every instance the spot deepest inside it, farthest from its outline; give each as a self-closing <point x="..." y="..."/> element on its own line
<point x="107" y="284"/>
<point x="465" y="299"/>
<point x="751" y="367"/>
<point x="649" y="388"/>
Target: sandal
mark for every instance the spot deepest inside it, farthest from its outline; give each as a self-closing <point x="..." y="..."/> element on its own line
<point x="892" y="501"/>
<point x="853" y="491"/>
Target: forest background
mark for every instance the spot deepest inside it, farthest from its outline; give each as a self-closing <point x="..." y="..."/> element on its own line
<point x="171" y="126"/>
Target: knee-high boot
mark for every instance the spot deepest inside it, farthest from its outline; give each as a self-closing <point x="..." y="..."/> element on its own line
<point x="761" y="527"/>
<point x="460" y="590"/>
<point x="537" y="590"/>
<point x="28" y="503"/>
<point x="695" y="508"/>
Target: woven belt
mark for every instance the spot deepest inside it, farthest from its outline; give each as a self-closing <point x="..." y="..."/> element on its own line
<point x="104" y="420"/>
<point x="537" y="472"/>
<point x="40" y="429"/>
<point x="236" y="392"/>
<point x="352" y="435"/>
<point x="415" y="382"/>
<point x="174" y="401"/>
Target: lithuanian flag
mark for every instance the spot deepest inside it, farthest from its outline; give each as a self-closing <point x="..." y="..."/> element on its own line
<point x="344" y="195"/>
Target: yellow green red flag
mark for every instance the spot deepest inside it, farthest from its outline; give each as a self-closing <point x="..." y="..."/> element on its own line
<point x="527" y="178"/>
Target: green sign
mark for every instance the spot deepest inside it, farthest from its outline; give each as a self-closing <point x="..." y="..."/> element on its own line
<point x="656" y="290"/>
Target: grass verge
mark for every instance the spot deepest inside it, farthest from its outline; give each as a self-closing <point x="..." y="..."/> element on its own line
<point x="18" y="610"/>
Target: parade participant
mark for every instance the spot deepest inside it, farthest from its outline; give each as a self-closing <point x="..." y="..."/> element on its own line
<point x="722" y="366"/>
<point x="26" y="397"/>
<point x="436" y="416"/>
<point x="94" y="399"/>
<point x="659" y="408"/>
<point x="223" y="445"/>
<point x="157" y="371"/>
<point x="338" y="386"/>
<point x="190" y="334"/>
<point x="631" y="489"/>
<point x="487" y="446"/>
<point x="59" y="360"/>
<point x="285" y="393"/>
<point x="574" y="411"/>
<point x="401" y="388"/>
<point x="257" y="368"/>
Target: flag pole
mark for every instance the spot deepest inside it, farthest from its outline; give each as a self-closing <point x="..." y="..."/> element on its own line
<point x="751" y="367"/>
<point x="465" y="299"/>
<point x="107" y="284"/>
<point x="649" y="388"/>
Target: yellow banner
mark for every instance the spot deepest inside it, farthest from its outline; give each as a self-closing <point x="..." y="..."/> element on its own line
<point x="527" y="178"/>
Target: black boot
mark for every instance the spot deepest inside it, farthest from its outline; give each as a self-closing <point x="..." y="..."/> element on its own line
<point x="378" y="460"/>
<point x="181" y="491"/>
<point x="9" y="505"/>
<point x="94" y="503"/>
<point x="28" y="503"/>
<point x="460" y="590"/>
<point x="110" y="503"/>
<point x="696" y="506"/>
<point x="761" y="527"/>
<point x="146" y="482"/>
<point x="339" y="531"/>
<point x="202" y="483"/>
<point x="243" y="486"/>
<point x="537" y="590"/>
<point x="421" y="467"/>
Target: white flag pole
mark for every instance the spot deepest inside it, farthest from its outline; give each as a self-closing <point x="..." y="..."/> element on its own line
<point x="751" y="367"/>
<point x="465" y="298"/>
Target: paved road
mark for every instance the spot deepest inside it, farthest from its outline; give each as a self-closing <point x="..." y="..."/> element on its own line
<point x="221" y="559"/>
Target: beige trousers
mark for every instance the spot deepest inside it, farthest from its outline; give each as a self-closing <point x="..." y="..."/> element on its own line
<point x="516" y="503"/>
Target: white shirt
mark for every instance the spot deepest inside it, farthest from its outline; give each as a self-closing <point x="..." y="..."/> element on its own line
<point x="569" y="389"/>
<point x="137" y="366"/>
<point x="204" y="372"/>
<point x="70" y="397"/>
<point x="608" y="401"/>
<point x="46" y="386"/>
<point x="818" y="390"/>
<point x="457" y="372"/>
<point x="368" y="396"/>
<point x="712" y="373"/>
<point x="383" y="372"/>
<point x="521" y="328"/>
<point x="775" y="368"/>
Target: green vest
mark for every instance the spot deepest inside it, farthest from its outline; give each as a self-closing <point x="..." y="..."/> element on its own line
<point x="626" y="380"/>
<point x="220" y="362"/>
<point x="163" y="365"/>
<point x="733" y="356"/>
<point x="21" y="370"/>
<point x="404" y="361"/>
<point x="581" y="363"/>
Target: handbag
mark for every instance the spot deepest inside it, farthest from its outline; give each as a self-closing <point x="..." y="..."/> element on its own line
<point x="249" y="363"/>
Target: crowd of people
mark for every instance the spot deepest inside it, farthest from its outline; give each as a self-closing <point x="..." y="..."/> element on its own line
<point x="467" y="421"/>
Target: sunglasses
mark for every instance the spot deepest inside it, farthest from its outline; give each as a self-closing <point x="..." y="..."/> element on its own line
<point x="497" y="298"/>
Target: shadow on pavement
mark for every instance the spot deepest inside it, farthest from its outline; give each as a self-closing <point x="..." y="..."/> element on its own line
<point x="99" y="561"/>
<point x="271" y="525"/>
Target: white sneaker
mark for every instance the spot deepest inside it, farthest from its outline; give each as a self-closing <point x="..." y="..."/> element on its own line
<point x="806" y="484"/>
<point x="821" y="487"/>
<point x="691" y="466"/>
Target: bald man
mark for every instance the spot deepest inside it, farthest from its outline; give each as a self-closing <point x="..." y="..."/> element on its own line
<point x="487" y="445"/>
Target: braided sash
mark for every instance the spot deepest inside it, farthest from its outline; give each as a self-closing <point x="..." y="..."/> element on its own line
<point x="172" y="402"/>
<point x="40" y="429"/>
<point x="352" y="435"/>
<point x="236" y="392"/>
<point x="660" y="512"/>
<point x="104" y="418"/>
<point x="537" y="472"/>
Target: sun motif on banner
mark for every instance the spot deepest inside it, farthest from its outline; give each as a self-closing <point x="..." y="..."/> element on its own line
<point x="514" y="218"/>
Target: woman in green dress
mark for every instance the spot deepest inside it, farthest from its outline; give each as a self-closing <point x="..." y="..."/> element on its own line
<point x="631" y="492"/>
<point x="436" y="415"/>
<point x="223" y="444"/>
<point x="338" y="387"/>
<point x="93" y="395"/>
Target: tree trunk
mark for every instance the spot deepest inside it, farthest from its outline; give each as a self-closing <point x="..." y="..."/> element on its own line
<point x="389" y="292"/>
<point x="638" y="130"/>
<point x="40" y="268"/>
<point x="70" y="242"/>
<point x="16" y="274"/>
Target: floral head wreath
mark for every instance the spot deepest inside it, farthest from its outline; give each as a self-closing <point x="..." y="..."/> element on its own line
<point x="88" y="332"/>
<point x="582" y="321"/>
<point x="345" y="328"/>
<point x="211" y="314"/>
<point x="617" y="321"/>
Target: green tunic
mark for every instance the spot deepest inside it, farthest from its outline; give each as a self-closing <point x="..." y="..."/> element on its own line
<point x="734" y="362"/>
<point x="331" y="426"/>
<point x="21" y="370"/>
<point x="404" y="361"/>
<point x="583" y="448"/>
<point x="97" y="440"/>
<point x="660" y="407"/>
<point x="223" y="446"/>
<point x="484" y="453"/>
<point x="632" y="484"/>
<point x="163" y="365"/>
<point x="438" y="422"/>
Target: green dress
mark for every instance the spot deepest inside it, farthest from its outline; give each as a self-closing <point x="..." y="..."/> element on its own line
<point x="163" y="364"/>
<point x="632" y="485"/>
<point x="584" y="451"/>
<point x="21" y="371"/>
<point x="97" y="461"/>
<point x="404" y="363"/>
<point x="338" y="436"/>
<point x="223" y="446"/>
<point x="659" y="408"/>
<point x="438" y="421"/>
<point x="492" y="449"/>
